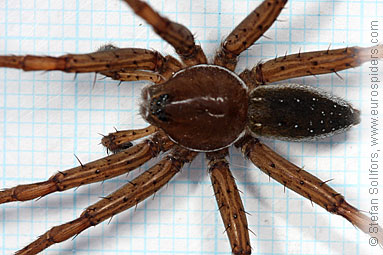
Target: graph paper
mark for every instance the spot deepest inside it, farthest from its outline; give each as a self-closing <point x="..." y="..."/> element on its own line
<point x="47" y="117"/>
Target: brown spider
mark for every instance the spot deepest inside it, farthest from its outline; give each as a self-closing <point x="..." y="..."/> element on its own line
<point x="188" y="118"/>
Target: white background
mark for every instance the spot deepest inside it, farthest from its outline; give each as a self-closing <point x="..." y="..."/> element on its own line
<point x="45" y="118"/>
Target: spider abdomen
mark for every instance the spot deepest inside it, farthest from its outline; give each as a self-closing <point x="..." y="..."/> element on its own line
<point x="298" y="112"/>
<point x="202" y="108"/>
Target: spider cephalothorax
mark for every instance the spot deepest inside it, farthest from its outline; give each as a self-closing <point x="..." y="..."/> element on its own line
<point x="204" y="101"/>
<point x="195" y="106"/>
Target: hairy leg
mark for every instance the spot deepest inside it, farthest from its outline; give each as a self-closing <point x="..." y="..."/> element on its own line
<point x="229" y="203"/>
<point x="167" y="68"/>
<point x="247" y="32"/>
<point x="121" y="140"/>
<point x="95" y="171"/>
<point x="308" y="63"/>
<point x="124" y="198"/>
<point x="109" y="61"/>
<point x="305" y="184"/>
<point x="127" y="75"/>
<point x="175" y="34"/>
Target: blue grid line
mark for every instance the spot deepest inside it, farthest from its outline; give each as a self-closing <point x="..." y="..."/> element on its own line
<point x="89" y="151"/>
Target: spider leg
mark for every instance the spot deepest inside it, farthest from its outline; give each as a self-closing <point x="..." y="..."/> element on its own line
<point x="229" y="204"/>
<point x="127" y="75"/>
<point x="247" y="32"/>
<point x="168" y="68"/>
<point x="305" y="184"/>
<point x="309" y="63"/>
<point x="175" y="34"/>
<point x="95" y="171"/>
<point x="109" y="62"/>
<point x="124" y="198"/>
<point x="121" y="140"/>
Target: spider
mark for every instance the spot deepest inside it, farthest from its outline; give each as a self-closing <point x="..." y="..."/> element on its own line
<point x="176" y="131"/>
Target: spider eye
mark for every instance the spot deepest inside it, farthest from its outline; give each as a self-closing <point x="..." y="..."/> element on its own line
<point x="298" y="112"/>
<point x="157" y="106"/>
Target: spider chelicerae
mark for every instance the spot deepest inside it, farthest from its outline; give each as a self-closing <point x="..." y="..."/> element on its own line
<point x="169" y="112"/>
